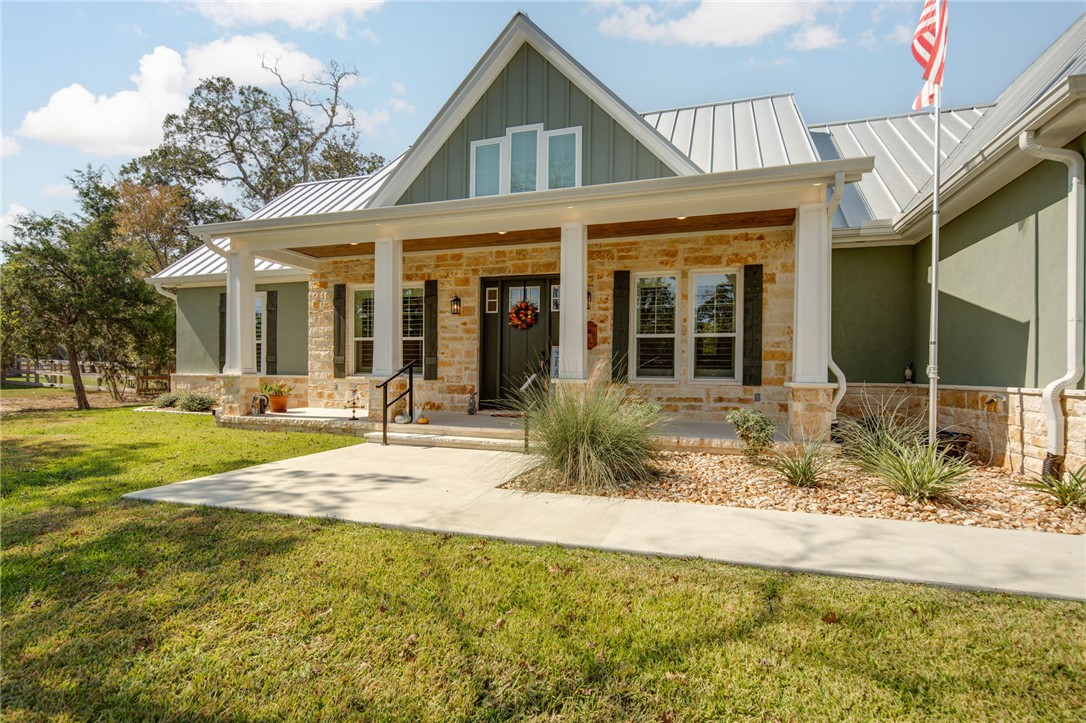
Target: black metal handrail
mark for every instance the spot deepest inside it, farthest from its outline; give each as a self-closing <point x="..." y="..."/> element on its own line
<point x="409" y="367"/>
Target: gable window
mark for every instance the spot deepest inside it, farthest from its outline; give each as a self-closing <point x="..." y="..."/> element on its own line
<point x="715" y="338"/>
<point x="655" y="326"/>
<point x="526" y="158"/>
<point x="363" y="324"/>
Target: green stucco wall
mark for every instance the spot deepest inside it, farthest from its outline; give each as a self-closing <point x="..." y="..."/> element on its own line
<point x="531" y="90"/>
<point x="873" y="312"/>
<point x="198" y="328"/>
<point x="1002" y="285"/>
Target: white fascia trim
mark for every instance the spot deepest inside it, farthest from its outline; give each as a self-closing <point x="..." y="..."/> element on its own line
<point x="520" y="30"/>
<point x="282" y="276"/>
<point x="1062" y="99"/>
<point x="745" y="182"/>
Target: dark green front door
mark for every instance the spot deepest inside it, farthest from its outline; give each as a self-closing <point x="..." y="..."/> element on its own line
<point x="510" y="355"/>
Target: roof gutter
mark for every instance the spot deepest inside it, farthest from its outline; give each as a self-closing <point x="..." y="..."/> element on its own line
<point x="1076" y="212"/>
<point x="206" y="238"/>
<point x="168" y="294"/>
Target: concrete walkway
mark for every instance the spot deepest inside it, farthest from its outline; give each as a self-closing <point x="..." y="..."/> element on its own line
<point x="455" y="490"/>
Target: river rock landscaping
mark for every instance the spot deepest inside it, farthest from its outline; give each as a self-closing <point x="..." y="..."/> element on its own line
<point x="989" y="496"/>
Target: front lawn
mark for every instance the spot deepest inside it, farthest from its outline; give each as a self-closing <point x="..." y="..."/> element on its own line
<point x="134" y="611"/>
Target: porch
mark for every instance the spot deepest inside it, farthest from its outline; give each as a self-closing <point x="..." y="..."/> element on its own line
<point x="485" y="430"/>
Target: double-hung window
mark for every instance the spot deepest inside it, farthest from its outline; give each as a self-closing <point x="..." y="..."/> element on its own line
<point x="655" y="326"/>
<point x="260" y="305"/>
<point x="363" y="324"/>
<point x="715" y="299"/>
<point x="526" y="158"/>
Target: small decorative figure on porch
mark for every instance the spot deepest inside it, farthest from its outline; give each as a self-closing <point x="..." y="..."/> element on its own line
<point x="909" y="373"/>
<point x="353" y="404"/>
<point x="523" y="315"/>
<point x="259" y="405"/>
<point x="472" y="407"/>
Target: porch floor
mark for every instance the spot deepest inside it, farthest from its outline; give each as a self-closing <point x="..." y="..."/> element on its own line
<point x="676" y="434"/>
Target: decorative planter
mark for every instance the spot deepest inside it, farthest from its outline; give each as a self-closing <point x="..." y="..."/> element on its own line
<point x="278" y="404"/>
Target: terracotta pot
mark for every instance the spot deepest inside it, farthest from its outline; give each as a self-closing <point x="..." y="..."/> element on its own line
<point x="278" y="404"/>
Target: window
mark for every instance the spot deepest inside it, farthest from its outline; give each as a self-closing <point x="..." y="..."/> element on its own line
<point x="655" y="314"/>
<point x="714" y="335"/>
<point x="260" y="303"/>
<point x="362" y="330"/>
<point x="526" y="158"/>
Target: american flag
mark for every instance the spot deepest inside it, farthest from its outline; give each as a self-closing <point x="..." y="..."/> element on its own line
<point x="929" y="49"/>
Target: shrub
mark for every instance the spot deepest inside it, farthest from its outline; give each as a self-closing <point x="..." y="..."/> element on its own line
<point x="590" y="437"/>
<point x="755" y="430"/>
<point x="1069" y="490"/>
<point x="276" y="389"/>
<point x="803" y="465"/>
<point x="196" y="401"/>
<point x="918" y="471"/>
<point x="168" y="399"/>
<point x="882" y="428"/>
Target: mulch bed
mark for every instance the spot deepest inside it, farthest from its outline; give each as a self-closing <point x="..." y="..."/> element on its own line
<point x="989" y="496"/>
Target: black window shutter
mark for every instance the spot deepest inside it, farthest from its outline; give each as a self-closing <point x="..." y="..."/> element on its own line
<point x="271" y="334"/>
<point x="339" y="331"/>
<point x="620" y="321"/>
<point x="429" y="330"/>
<point x="222" y="332"/>
<point x="752" y="325"/>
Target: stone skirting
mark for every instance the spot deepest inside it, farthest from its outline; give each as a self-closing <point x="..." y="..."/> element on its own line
<point x="810" y="410"/>
<point x="1007" y="423"/>
<point x="235" y="392"/>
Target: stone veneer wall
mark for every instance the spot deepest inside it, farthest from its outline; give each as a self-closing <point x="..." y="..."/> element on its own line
<point x="235" y="392"/>
<point x="458" y="274"/>
<point x="1013" y="430"/>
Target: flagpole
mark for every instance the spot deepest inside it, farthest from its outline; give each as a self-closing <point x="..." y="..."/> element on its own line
<point x="933" y="350"/>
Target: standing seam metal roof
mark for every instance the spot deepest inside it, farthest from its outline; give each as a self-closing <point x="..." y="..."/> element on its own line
<point x="739" y="134"/>
<point x="338" y="194"/>
<point x="202" y="261"/>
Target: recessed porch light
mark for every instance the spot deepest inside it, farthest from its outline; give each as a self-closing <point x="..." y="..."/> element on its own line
<point x="680" y="218"/>
<point x="502" y="233"/>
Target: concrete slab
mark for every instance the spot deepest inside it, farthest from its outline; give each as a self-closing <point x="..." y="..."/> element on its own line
<point x="456" y="490"/>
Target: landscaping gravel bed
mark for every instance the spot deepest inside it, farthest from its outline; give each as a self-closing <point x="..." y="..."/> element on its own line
<point x="990" y="496"/>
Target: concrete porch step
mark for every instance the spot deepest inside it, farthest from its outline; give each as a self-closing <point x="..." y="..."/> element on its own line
<point x="447" y="440"/>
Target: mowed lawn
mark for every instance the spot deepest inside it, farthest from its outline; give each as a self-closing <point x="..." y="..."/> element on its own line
<point x="138" y="611"/>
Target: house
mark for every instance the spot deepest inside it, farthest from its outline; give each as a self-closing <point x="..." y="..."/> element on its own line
<point x="710" y="257"/>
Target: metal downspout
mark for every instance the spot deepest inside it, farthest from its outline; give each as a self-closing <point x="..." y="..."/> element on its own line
<point x="206" y="238"/>
<point x="835" y="201"/>
<point x="1050" y="398"/>
<point x="168" y="294"/>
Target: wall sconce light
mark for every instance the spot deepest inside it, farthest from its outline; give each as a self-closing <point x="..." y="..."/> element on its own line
<point x="455" y="310"/>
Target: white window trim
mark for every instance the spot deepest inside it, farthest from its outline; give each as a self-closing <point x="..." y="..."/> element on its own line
<point x="542" y="155"/>
<point x="631" y="353"/>
<point x="262" y="355"/>
<point x="692" y="333"/>
<point x="351" y="338"/>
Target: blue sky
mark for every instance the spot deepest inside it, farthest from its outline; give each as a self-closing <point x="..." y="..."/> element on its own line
<point x="90" y="82"/>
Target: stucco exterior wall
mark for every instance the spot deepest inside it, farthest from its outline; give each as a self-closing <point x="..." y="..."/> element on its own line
<point x="458" y="273"/>
<point x="198" y="328"/>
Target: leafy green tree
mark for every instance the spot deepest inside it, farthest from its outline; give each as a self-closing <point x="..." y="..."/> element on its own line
<point x="259" y="142"/>
<point x="67" y="284"/>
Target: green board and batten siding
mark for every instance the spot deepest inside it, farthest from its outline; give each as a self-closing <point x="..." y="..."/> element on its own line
<point x="1002" y="301"/>
<point x="531" y="90"/>
<point x="198" y="328"/>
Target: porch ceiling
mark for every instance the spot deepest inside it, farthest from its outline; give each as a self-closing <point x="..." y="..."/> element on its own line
<point x="596" y="232"/>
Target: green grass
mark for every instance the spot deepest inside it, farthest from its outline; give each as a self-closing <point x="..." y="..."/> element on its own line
<point x="136" y="611"/>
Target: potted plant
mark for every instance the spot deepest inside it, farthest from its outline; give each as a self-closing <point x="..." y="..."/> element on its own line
<point x="278" y="393"/>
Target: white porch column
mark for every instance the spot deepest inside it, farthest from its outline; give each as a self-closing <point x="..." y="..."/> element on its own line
<point x="240" y="314"/>
<point x="387" y="306"/>
<point x="572" y="329"/>
<point x="811" y="336"/>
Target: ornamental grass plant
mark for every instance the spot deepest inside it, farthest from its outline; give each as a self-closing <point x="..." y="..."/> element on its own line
<point x="1069" y="489"/>
<point x="919" y="471"/>
<point x="882" y="427"/>
<point x="801" y="464"/>
<point x="590" y="437"/>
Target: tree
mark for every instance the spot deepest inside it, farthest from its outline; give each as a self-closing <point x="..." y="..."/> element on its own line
<point x="151" y="222"/>
<point x="261" y="143"/>
<point x="66" y="284"/>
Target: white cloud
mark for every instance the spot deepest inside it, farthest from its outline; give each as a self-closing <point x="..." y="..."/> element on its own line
<point x="9" y="146"/>
<point x="815" y="37"/>
<point x="313" y="16"/>
<point x="902" y="34"/>
<point x="398" y="88"/>
<point x="129" y="122"/>
<point x="723" y="24"/>
<point x="369" y="121"/>
<point x="400" y="105"/>
<point x="239" y="57"/>
<point x="57" y="190"/>
<point x="8" y="219"/>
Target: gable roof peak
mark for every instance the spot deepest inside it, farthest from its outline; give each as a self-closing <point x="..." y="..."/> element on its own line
<point x="517" y="32"/>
